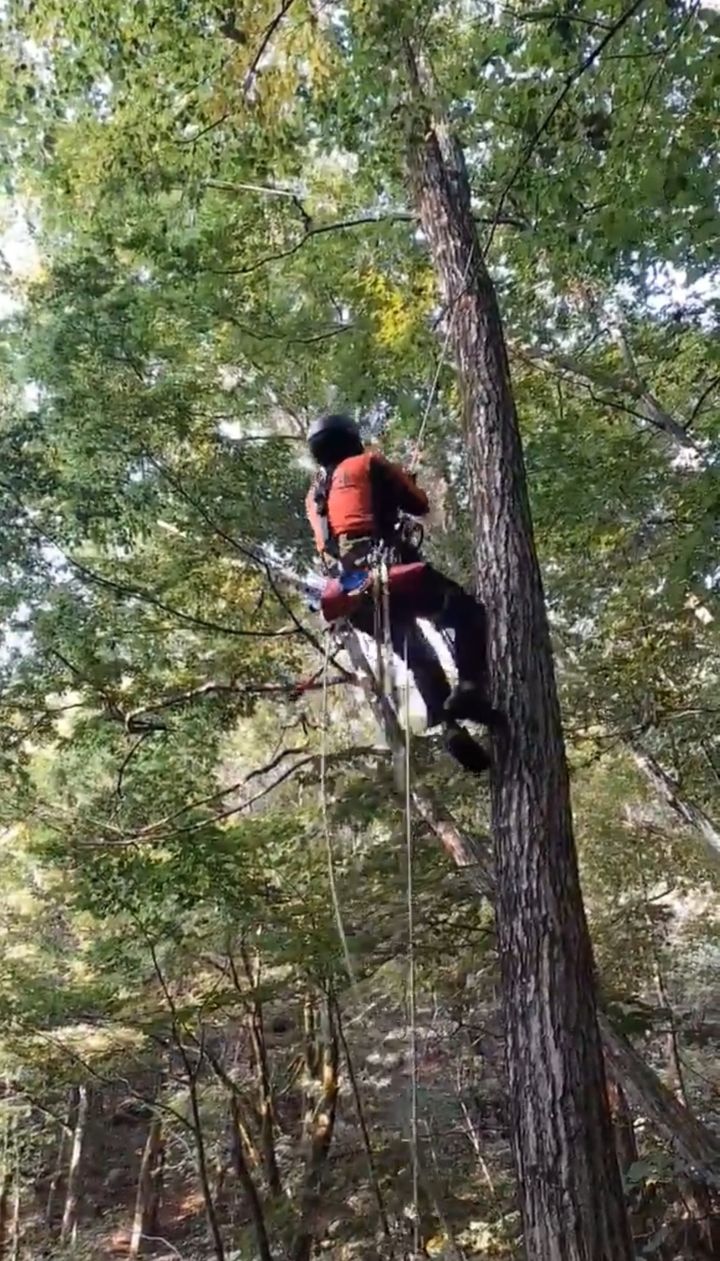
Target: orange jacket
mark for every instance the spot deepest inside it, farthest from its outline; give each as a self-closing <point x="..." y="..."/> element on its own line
<point x="360" y="486"/>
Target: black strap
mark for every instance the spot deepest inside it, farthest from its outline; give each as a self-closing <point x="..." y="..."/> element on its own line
<point x="323" y="483"/>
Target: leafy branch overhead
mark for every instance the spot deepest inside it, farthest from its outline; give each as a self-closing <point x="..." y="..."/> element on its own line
<point x="211" y="234"/>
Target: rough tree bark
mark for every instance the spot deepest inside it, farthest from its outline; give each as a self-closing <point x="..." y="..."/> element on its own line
<point x="147" y="1202"/>
<point x="247" y="1183"/>
<point x="68" y="1230"/>
<point x="625" y="1141"/>
<point x="5" y="1187"/>
<point x="571" y="1194"/>
<point x="322" y="1063"/>
<point x="266" y="1111"/>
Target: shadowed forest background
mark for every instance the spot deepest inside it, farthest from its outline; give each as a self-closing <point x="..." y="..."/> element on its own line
<point x="211" y="237"/>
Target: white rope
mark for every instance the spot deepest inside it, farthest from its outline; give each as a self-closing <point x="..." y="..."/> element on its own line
<point x="379" y="630"/>
<point x="440" y="366"/>
<point x="412" y="1012"/>
<point x="324" y="812"/>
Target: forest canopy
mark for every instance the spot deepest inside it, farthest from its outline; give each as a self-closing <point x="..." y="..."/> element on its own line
<point x="212" y="234"/>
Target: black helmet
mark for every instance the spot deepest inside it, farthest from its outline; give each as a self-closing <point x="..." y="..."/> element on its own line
<point x="333" y="438"/>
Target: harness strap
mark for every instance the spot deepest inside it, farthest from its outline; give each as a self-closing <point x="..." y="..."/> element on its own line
<point x="390" y="528"/>
<point x="323" y="484"/>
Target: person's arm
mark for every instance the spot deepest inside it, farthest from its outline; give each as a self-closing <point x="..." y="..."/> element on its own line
<point x="401" y="485"/>
<point x="316" y="523"/>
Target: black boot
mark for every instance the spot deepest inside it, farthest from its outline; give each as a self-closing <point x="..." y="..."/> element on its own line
<point x="435" y="714"/>
<point x="467" y="701"/>
<point x="466" y="751"/>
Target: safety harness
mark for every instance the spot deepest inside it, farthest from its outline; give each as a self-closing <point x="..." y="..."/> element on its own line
<point x="398" y="539"/>
<point x="323" y="483"/>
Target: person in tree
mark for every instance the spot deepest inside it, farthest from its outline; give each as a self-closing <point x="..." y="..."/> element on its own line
<point x="358" y="505"/>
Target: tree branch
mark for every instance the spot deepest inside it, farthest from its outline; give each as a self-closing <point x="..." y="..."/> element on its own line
<point x="571" y="79"/>
<point x="715" y="381"/>
<point x="342" y="225"/>
<point x="154" y="834"/>
<point x="125" y="590"/>
<point x="650" y="410"/>
<point x="268" y="33"/>
<point x="72" y="1055"/>
<point x="212" y="688"/>
<point x="129" y="757"/>
<point x="251" y="553"/>
<point x="669" y="791"/>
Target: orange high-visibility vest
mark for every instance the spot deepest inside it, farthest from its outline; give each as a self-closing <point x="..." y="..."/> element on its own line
<point x="364" y="493"/>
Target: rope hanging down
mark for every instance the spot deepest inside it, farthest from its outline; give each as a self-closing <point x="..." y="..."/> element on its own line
<point x="401" y="756"/>
<point x="386" y="686"/>
<point x="440" y="365"/>
<point x="325" y="822"/>
<point x="412" y="1006"/>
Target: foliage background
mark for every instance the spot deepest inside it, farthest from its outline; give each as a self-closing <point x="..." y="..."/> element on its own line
<point x="223" y="244"/>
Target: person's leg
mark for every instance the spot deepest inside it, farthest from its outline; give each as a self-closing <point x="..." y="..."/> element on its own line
<point x="423" y="662"/>
<point x="432" y="684"/>
<point x="450" y="607"/>
<point x="465" y="750"/>
<point x="425" y="667"/>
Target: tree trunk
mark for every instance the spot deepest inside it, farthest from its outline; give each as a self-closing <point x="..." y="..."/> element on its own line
<point x="220" y="1188"/>
<point x="702" y="1209"/>
<point x="15" y="1223"/>
<point x="650" y="1097"/>
<point x="245" y="1179"/>
<point x="364" y="1131"/>
<point x="55" y="1180"/>
<point x="675" y="1074"/>
<point x="319" y="1132"/>
<point x="5" y="1187"/>
<point x="68" y="1230"/>
<point x="235" y="1091"/>
<point x="261" y="1069"/>
<point x="625" y="1141"/>
<point x="265" y="1099"/>
<point x="147" y="1202"/>
<point x="203" y="1175"/>
<point x="668" y="791"/>
<point x="571" y="1194"/>
<point x="191" y="1072"/>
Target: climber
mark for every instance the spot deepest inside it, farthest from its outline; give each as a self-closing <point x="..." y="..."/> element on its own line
<point x="357" y="506"/>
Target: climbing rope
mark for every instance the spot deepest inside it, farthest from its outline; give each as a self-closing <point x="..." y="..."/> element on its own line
<point x="332" y="881"/>
<point x="401" y="765"/>
<point x="440" y="365"/>
<point x="401" y="757"/>
<point x="412" y="1007"/>
<point x="386" y="687"/>
<point x="384" y="579"/>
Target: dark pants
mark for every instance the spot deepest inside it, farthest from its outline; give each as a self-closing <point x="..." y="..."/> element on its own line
<point x="446" y="606"/>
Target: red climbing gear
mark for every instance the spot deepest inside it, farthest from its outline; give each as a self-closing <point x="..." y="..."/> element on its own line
<point x="341" y="596"/>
